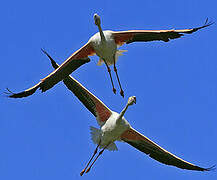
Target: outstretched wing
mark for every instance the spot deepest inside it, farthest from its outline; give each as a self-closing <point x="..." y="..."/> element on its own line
<point x="156" y="152"/>
<point x="130" y="36"/>
<point x="77" y="59"/>
<point x="91" y="102"/>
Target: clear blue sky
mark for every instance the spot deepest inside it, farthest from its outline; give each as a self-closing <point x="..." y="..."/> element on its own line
<point x="46" y="136"/>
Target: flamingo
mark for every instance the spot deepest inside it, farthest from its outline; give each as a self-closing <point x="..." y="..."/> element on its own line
<point x="114" y="127"/>
<point x="105" y="45"/>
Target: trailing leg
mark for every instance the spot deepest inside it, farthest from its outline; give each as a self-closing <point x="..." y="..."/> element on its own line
<point x="82" y="172"/>
<point x="109" y="71"/>
<point x="97" y="157"/>
<point x="116" y="72"/>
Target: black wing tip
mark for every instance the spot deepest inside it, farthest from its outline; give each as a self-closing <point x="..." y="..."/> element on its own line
<point x="11" y="94"/>
<point x="208" y="23"/>
<point x="54" y="64"/>
<point x="212" y="168"/>
<point x="22" y="94"/>
<point x="42" y="49"/>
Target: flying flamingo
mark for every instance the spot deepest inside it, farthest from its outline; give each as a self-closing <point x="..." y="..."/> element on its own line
<point x="114" y="127"/>
<point x="104" y="44"/>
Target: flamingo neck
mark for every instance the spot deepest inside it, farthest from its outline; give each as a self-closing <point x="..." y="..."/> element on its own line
<point x="101" y="34"/>
<point x="123" y="112"/>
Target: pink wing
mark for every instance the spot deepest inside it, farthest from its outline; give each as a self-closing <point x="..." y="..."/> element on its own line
<point x="156" y="152"/>
<point x="77" y="59"/>
<point x="130" y="36"/>
<point x="91" y="102"/>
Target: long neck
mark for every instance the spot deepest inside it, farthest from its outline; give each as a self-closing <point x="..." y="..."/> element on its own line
<point x="101" y="34"/>
<point x="122" y="113"/>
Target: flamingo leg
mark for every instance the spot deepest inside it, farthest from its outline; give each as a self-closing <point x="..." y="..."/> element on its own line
<point x="97" y="157"/>
<point x="116" y="72"/>
<point x="96" y="150"/>
<point x="109" y="71"/>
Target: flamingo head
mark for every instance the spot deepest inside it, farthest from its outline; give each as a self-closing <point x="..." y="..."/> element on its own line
<point x="131" y="100"/>
<point x="97" y="19"/>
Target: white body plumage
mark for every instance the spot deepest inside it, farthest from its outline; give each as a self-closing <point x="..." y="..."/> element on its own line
<point x="106" y="48"/>
<point x="110" y="131"/>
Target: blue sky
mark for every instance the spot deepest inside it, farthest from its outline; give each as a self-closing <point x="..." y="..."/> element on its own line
<point x="46" y="136"/>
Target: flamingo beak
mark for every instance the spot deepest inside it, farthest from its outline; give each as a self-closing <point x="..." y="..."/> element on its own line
<point x="97" y="19"/>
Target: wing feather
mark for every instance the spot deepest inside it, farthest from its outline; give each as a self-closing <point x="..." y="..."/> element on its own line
<point x="130" y="36"/>
<point x="156" y="152"/>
